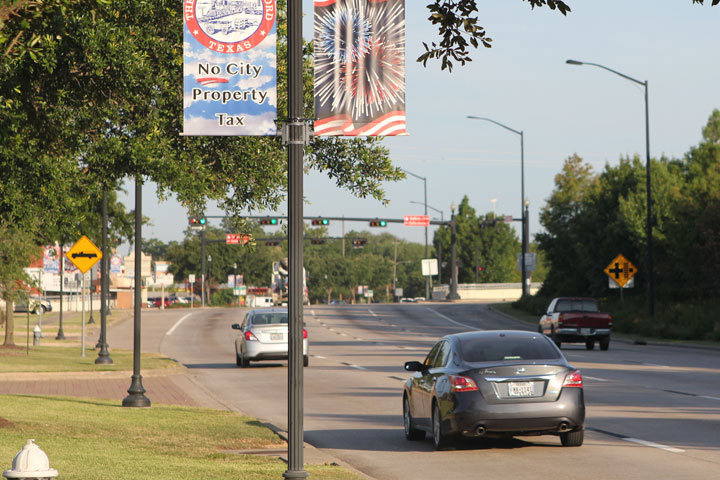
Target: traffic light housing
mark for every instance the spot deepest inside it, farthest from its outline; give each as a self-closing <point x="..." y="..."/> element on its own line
<point x="358" y="242"/>
<point x="197" y="221"/>
<point x="378" y="223"/>
<point x="320" y="221"/>
<point x="268" y="221"/>
<point x="317" y="241"/>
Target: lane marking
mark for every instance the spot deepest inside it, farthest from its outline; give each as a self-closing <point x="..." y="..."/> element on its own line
<point x="595" y="378"/>
<point x="312" y="312"/>
<point x="653" y="445"/>
<point x="319" y="356"/>
<point x="177" y="324"/>
<point x="453" y="321"/>
<point x="357" y="367"/>
<point x="709" y="397"/>
<point x="638" y="441"/>
<point x="372" y="313"/>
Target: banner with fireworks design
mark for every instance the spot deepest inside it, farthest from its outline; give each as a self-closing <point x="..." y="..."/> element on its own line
<point x="360" y="67"/>
<point x="230" y="67"/>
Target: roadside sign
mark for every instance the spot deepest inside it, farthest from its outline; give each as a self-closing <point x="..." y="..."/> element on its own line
<point x="620" y="270"/>
<point x="429" y="266"/>
<point x="613" y="284"/>
<point x="237" y="238"/>
<point x="115" y="264"/>
<point x="530" y="262"/>
<point x="417" y="220"/>
<point x="191" y="278"/>
<point x="84" y="254"/>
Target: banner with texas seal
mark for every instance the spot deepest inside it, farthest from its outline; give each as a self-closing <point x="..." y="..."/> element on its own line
<point x="360" y="67"/>
<point x="230" y="67"/>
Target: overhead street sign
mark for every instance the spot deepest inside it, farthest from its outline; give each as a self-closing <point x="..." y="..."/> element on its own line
<point x="621" y="270"/>
<point x="417" y="220"/>
<point x="84" y="254"/>
<point x="236" y="238"/>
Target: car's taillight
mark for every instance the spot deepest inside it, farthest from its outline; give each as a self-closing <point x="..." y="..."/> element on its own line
<point x="250" y="337"/>
<point x="609" y="320"/>
<point x="573" y="379"/>
<point x="304" y="333"/>
<point x="462" y="384"/>
<point x="560" y="320"/>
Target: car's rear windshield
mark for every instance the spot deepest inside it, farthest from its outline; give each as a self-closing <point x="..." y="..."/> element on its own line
<point x="270" y="318"/>
<point x="500" y="348"/>
<point x="586" y="305"/>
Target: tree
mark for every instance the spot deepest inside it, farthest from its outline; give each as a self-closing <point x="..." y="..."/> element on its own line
<point x="458" y="27"/>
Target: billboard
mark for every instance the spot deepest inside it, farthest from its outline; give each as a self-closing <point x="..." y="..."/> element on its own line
<point x="230" y="67"/>
<point x="359" y="67"/>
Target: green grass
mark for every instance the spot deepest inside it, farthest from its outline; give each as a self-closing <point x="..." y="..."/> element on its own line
<point x="68" y="359"/>
<point x="98" y="440"/>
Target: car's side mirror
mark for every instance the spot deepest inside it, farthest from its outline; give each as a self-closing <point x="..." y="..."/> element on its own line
<point x="414" y="366"/>
<point x="236" y="326"/>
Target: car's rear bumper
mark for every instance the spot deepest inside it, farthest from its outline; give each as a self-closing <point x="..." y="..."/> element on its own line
<point x="531" y="418"/>
<point x="269" y="351"/>
<point x="581" y="334"/>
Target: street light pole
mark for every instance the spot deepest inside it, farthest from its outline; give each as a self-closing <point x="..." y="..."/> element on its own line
<point x="523" y="233"/>
<point x="453" y="295"/>
<point x="424" y="179"/>
<point x="442" y="219"/>
<point x="648" y="226"/>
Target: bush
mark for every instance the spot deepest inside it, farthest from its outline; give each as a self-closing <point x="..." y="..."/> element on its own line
<point x="222" y="297"/>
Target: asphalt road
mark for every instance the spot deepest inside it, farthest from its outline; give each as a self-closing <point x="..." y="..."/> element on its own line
<point x="653" y="412"/>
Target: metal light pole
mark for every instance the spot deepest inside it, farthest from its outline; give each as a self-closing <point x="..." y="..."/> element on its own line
<point x="202" y="257"/>
<point x="103" y="354"/>
<point x="442" y="219"/>
<point x="651" y="275"/>
<point x="296" y="137"/>
<point x="522" y="194"/>
<point x="453" y="295"/>
<point x="61" y="334"/>
<point x="235" y="285"/>
<point x="424" y="179"/>
<point x="136" y="397"/>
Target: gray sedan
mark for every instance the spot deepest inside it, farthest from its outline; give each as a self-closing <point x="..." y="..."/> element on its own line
<point x="264" y="336"/>
<point x="494" y="384"/>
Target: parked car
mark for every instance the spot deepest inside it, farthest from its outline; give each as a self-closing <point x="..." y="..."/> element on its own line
<point x="264" y="336"/>
<point x="493" y="383"/>
<point x="576" y="319"/>
<point x="157" y="301"/>
<point x="407" y="300"/>
<point x="37" y="305"/>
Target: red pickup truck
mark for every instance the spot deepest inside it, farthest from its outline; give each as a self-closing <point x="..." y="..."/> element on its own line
<point x="576" y="319"/>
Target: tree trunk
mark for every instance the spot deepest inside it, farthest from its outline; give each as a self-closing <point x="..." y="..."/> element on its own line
<point x="9" y="325"/>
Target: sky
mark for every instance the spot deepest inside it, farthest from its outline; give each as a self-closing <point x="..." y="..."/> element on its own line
<point x="524" y="83"/>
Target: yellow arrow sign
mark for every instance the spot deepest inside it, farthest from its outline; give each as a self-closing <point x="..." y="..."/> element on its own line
<point x="621" y="270"/>
<point x="84" y="254"/>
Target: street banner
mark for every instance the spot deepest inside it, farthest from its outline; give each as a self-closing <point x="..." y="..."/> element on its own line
<point x="359" y="67"/>
<point x="116" y="264"/>
<point x="230" y="67"/>
<point x="51" y="258"/>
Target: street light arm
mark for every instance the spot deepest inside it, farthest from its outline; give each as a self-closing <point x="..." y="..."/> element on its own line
<point x="496" y="123"/>
<point x="627" y="77"/>
<point x="414" y="175"/>
<point x="431" y="208"/>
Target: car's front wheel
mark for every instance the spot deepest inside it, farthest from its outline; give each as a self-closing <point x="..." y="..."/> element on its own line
<point x="306" y="361"/>
<point x="572" y="439"/>
<point x="39" y="310"/>
<point x="411" y="433"/>
<point x="440" y="440"/>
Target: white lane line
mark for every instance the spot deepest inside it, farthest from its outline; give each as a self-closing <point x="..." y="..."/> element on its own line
<point x="312" y="312"/>
<point x="595" y="378"/>
<point x="343" y="334"/>
<point x="319" y="356"/>
<point x="453" y="321"/>
<point x="357" y="367"/>
<point x="653" y="444"/>
<point x="177" y="324"/>
<point x="709" y="397"/>
<point x="372" y="313"/>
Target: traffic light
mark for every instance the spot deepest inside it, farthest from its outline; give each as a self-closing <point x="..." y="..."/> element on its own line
<point x="268" y="221"/>
<point x="320" y="221"/>
<point x="378" y="223"/>
<point x="197" y="221"/>
<point x="272" y="243"/>
<point x="317" y="241"/>
<point x="358" y="242"/>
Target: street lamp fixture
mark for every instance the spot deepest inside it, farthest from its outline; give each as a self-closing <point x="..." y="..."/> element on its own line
<point x="651" y="275"/>
<point x="522" y="193"/>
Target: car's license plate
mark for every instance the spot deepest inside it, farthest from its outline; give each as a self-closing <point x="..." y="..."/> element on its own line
<point x="585" y="331"/>
<point x="276" y="336"/>
<point x="520" y="389"/>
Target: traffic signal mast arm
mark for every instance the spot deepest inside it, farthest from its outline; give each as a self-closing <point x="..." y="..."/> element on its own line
<point x="339" y="219"/>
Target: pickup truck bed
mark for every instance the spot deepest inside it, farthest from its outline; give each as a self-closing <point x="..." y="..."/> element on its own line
<point x="576" y="319"/>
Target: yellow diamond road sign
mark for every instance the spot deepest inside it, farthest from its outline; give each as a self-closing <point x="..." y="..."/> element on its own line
<point x="84" y="254"/>
<point x="621" y="270"/>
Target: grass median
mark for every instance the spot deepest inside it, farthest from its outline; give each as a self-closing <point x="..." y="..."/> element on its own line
<point x="89" y="439"/>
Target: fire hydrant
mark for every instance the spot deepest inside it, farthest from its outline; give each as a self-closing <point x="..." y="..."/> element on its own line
<point x="37" y="335"/>
<point x="31" y="463"/>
